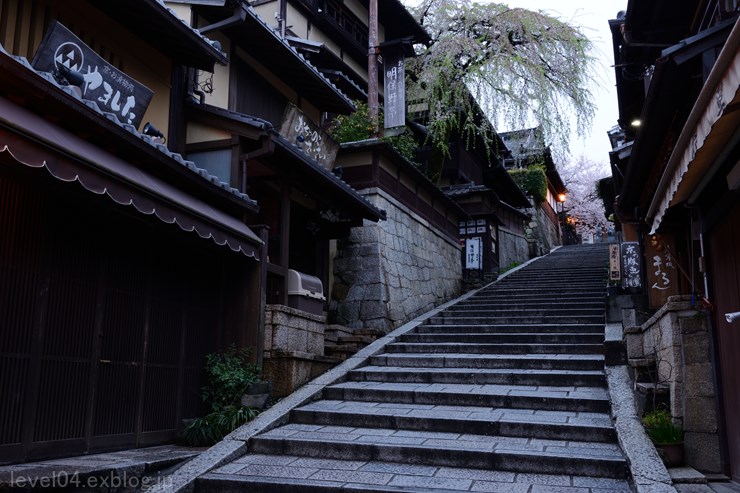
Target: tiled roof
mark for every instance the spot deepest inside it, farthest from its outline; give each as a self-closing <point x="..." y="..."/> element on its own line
<point x="93" y="106"/>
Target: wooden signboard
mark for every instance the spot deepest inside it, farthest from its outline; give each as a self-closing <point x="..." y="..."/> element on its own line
<point x="307" y="136"/>
<point x="615" y="268"/>
<point x="394" y="88"/>
<point x="111" y="89"/>
<point x="662" y="274"/>
<point x="631" y="265"/>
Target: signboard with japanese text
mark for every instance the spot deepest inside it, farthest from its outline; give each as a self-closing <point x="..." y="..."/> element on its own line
<point x="394" y="88"/>
<point x="615" y="270"/>
<point x="473" y="253"/>
<point x="631" y="265"/>
<point x="302" y="132"/>
<point x="662" y="275"/>
<point x="111" y="89"/>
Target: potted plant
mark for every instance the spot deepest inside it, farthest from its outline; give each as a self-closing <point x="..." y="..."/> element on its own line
<point x="666" y="436"/>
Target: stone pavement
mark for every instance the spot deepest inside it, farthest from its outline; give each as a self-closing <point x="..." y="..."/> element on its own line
<point x="502" y="391"/>
<point x="122" y="471"/>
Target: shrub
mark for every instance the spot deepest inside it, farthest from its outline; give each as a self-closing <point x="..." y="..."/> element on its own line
<point x="357" y="126"/>
<point x="532" y="181"/>
<point x="228" y="376"/>
<point x="661" y="429"/>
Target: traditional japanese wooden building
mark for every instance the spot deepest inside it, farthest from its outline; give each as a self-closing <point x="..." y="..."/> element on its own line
<point x="676" y="171"/>
<point x="122" y="262"/>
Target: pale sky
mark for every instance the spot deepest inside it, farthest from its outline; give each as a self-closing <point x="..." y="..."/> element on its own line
<point x="593" y="16"/>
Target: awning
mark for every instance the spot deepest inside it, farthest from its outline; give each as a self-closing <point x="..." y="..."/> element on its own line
<point x="37" y="143"/>
<point x="712" y="123"/>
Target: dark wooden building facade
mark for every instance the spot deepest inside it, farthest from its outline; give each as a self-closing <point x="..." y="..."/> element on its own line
<point x="122" y="264"/>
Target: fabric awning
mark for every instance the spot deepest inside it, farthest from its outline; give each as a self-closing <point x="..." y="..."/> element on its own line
<point x="38" y="143"/>
<point x="713" y="122"/>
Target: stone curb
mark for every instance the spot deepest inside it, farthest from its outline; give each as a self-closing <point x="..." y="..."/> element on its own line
<point x="234" y="445"/>
<point x="649" y="474"/>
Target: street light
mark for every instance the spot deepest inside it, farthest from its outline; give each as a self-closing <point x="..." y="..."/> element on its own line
<point x="561" y="199"/>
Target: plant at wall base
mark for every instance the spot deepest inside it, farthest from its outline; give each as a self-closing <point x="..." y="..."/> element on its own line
<point x="229" y="375"/>
<point x="213" y="427"/>
<point x="665" y="435"/>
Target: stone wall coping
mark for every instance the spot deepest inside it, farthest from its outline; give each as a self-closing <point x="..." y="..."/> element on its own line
<point x="649" y="474"/>
<point x="675" y="304"/>
<point x="296" y="313"/>
<point x="301" y="355"/>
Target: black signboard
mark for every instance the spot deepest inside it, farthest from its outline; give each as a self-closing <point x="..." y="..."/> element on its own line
<point x="111" y="89"/>
<point x="631" y="265"/>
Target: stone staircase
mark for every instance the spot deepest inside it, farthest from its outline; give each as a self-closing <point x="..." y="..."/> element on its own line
<point x="504" y="391"/>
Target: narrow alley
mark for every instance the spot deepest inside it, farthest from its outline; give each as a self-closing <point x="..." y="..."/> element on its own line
<point x="503" y="391"/>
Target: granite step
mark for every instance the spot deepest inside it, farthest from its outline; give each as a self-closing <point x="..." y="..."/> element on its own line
<point x="494" y="348"/>
<point x="520" y="311"/>
<point x="479" y="420"/>
<point x="514" y="454"/>
<point x="399" y="374"/>
<point x="524" y="319"/>
<point x="508" y="338"/>
<point x="430" y="328"/>
<point x="544" y="397"/>
<point x="577" y="362"/>
<point x="534" y="303"/>
<point x="260" y="473"/>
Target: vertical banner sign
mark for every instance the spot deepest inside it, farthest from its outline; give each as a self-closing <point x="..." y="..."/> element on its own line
<point x="394" y="84"/>
<point x="111" y="89"/>
<point x="662" y="275"/>
<point x="615" y="272"/>
<point x="473" y="252"/>
<point x="631" y="265"/>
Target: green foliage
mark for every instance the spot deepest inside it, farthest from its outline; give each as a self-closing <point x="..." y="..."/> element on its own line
<point x="228" y="376"/>
<point x="532" y="181"/>
<point x="357" y="126"/>
<point x="661" y="429"/>
<point x="215" y="426"/>
<point x="519" y="66"/>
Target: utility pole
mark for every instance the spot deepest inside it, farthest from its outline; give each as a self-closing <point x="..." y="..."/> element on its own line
<point x="372" y="65"/>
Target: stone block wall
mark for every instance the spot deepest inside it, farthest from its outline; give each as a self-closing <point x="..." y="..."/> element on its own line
<point x="387" y="273"/>
<point x="540" y="231"/>
<point x="294" y="348"/>
<point x="513" y="248"/>
<point x="676" y="342"/>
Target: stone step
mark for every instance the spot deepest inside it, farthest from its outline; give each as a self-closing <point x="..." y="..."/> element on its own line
<point x="508" y="338"/>
<point x="507" y="311"/>
<point x="504" y="297"/>
<point x="506" y="329"/>
<point x="535" y="456"/>
<point x="399" y="374"/>
<point x="529" y="304"/>
<point x="260" y="473"/>
<point x="552" y="425"/>
<point x="493" y="348"/>
<point x="587" y="362"/>
<point x="552" y="398"/>
<point x="449" y="318"/>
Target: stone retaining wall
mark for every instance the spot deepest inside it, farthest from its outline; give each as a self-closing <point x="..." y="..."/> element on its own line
<point x="387" y="273"/>
<point x="675" y="341"/>
<point x="513" y="248"/>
